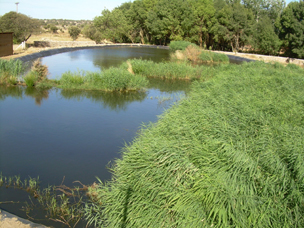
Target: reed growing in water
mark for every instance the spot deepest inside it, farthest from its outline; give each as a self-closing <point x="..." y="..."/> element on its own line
<point x="112" y="79"/>
<point x="229" y="155"/>
<point x="10" y="70"/>
<point x="168" y="70"/>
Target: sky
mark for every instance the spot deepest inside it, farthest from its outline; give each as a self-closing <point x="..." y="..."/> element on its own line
<point x="60" y="9"/>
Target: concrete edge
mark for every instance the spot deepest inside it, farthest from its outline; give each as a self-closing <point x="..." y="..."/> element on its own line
<point x="6" y="215"/>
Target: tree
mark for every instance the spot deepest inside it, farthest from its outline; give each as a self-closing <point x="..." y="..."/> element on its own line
<point x="21" y="25"/>
<point x="166" y="21"/>
<point x="74" y="32"/>
<point x="292" y="29"/>
<point x="203" y="12"/>
<point x="234" y="26"/>
<point x="113" y="25"/>
<point x="266" y="40"/>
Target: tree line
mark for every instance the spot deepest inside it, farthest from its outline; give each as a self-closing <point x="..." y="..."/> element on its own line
<point x="258" y="26"/>
<point x="262" y="26"/>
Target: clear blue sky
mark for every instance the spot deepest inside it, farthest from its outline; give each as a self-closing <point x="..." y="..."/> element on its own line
<point x="60" y="9"/>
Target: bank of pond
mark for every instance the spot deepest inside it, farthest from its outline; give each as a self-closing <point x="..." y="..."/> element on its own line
<point x="230" y="154"/>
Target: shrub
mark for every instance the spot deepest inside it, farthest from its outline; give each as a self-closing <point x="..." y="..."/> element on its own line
<point x="74" y="32"/>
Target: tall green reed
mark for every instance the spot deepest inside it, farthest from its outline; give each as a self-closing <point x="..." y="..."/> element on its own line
<point x="230" y="155"/>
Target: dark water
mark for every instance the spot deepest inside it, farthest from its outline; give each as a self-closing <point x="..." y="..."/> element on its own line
<point x="74" y="134"/>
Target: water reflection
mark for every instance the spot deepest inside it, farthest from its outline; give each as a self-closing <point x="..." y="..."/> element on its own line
<point x="19" y="92"/>
<point x="99" y="58"/>
<point x="10" y="91"/>
<point x="169" y="85"/>
<point x="115" y="101"/>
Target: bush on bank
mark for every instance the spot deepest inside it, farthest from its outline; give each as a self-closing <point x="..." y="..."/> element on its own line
<point x="229" y="155"/>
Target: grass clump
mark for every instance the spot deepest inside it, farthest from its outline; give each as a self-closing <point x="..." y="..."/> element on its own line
<point x="112" y="79"/>
<point x="169" y="70"/>
<point x="229" y="155"/>
<point x="179" y="45"/>
<point x="31" y="78"/>
<point x="213" y="57"/>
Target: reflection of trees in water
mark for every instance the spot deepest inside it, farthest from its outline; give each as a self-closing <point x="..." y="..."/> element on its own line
<point x="37" y="94"/>
<point x="114" y="100"/>
<point x="20" y="92"/>
<point x="10" y="91"/>
<point x="169" y="85"/>
<point x="114" y="57"/>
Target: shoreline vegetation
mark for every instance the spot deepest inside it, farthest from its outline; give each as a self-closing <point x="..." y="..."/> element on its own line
<point x="230" y="154"/>
<point x="130" y="76"/>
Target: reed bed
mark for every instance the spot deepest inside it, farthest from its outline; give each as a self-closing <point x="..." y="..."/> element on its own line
<point x="229" y="155"/>
<point x="10" y="70"/>
<point x="213" y="57"/>
<point x="166" y="70"/>
<point x="112" y="79"/>
<point x="179" y="45"/>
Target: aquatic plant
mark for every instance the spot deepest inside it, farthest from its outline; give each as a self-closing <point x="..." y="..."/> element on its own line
<point x="31" y="78"/>
<point x="12" y="67"/>
<point x="179" y="45"/>
<point x="213" y="57"/>
<point x="229" y="155"/>
<point x="170" y="70"/>
<point x="112" y="79"/>
<point x="61" y="203"/>
<point x="10" y="70"/>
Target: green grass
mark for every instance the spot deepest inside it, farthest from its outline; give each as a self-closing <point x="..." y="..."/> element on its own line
<point x="229" y="155"/>
<point x="213" y="57"/>
<point x="31" y="78"/>
<point x="168" y="70"/>
<point x="179" y="45"/>
<point x="112" y="79"/>
<point x="10" y="70"/>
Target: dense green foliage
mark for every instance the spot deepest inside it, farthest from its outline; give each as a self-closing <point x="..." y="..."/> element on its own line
<point x="245" y="25"/>
<point x="74" y="32"/>
<point x="228" y="155"/>
<point x="21" y="25"/>
<point x="293" y="29"/>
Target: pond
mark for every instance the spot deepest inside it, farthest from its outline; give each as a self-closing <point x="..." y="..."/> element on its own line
<point x="76" y="135"/>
